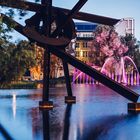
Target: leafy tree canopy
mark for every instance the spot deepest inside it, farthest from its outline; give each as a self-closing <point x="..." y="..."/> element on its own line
<point x="15" y="59"/>
<point x="134" y="48"/>
<point x="107" y="43"/>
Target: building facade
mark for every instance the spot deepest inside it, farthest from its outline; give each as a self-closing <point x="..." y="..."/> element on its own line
<point x="78" y="48"/>
<point x="126" y="26"/>
<point x="84" y="39"/>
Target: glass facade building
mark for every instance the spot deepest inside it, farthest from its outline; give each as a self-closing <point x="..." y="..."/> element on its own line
<point x="84" y="31"/>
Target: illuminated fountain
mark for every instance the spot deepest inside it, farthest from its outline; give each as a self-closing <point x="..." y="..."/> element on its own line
<point x="119" y="70"/>
<point x="118" y="66"/>
<point x="80" y="77"/>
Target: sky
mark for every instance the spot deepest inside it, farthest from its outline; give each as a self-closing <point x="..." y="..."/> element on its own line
<point x="111" y="8"/>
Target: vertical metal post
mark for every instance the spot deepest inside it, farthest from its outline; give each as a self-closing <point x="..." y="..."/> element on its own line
<point x="46" y="30"/>
<point x="67" y="78"/>
<point x="68" y="99"/>
<point x="46" y="73"/>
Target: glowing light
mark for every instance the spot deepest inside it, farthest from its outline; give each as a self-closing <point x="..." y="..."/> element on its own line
<point x="81" y="53"/>
<point x="14" y="105"/>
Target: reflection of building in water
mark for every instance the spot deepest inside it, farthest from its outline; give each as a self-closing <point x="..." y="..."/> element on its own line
<point x="125" y="26"/>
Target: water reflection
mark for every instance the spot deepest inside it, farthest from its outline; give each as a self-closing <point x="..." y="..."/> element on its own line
<point x="14" y="105"/>
<point x="99" y="129"/>
<point x="46" y="124"/>
<point x="102" y="128"/>
<point x="67" y="122"/>
<point x="4" y="133"/>
<point x="99" y="114"/>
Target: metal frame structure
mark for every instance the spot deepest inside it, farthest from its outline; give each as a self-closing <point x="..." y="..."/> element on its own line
<point x="56" y="41"/>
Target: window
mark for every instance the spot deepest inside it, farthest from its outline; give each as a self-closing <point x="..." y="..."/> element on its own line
<point x="77" y="54"/>
<point x="84" y="44"/>
<point x="77" y="45"/>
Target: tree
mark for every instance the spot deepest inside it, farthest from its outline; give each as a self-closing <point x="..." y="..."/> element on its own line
<point x="15" y="59"/>
<point x="133" y="48"/>
<point x="24" y="56"/>
<point x="106" y="43"/>
<point x="96" y="57"/>
<point x="109" y="49"/>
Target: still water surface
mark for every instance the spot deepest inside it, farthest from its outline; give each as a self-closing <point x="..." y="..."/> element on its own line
<point x="99" y="114"/>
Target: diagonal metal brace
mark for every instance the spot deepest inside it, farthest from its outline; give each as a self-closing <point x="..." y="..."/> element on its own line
<point x="120" y="89"/>
<point x="74" y="10"/>
<point x="28" y="32"/>
<point x="24" y="5"/>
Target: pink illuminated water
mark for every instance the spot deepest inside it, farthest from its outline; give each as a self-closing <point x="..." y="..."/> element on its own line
<point x="115" y="69"/>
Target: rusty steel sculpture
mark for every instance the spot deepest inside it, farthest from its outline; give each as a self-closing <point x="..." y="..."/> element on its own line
<point x="53" y="28"/>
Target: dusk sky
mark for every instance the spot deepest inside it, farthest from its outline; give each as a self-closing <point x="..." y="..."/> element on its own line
<point x="111" y="8"/>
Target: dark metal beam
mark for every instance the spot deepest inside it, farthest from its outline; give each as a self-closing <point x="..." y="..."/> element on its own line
<point x="71" y="13"/>
<point x="56" y="33"/>
<point x="38" y="7"/>
<point x="120" y="89"/>
<point x="5" y="134"/>
<point x="24" y="5"/>
<point x="91" y="17"/>
<point x="67" y="77"/>
<point x="26" y="31"/>
<point x="46" y="31"/>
